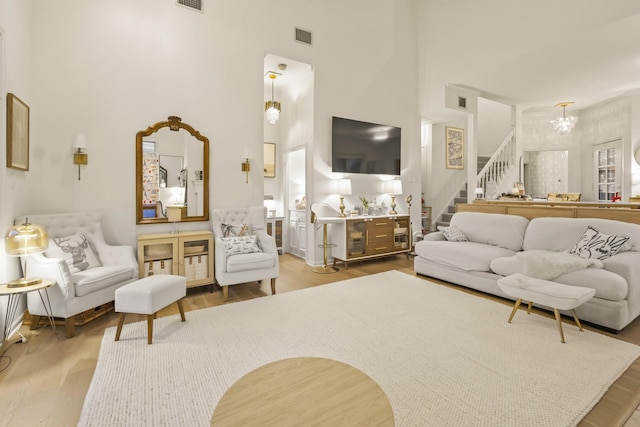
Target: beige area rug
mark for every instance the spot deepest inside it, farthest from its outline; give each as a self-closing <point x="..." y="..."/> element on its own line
<point x="443" y="357"/>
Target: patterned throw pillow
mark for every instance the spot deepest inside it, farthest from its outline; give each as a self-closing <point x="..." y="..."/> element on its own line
<point x="234" y="230"/>
<point x="240" y="245"/>
<point x="453" y="234"/>
<point x="594" y="244"/>
<point x="75" y="250"/>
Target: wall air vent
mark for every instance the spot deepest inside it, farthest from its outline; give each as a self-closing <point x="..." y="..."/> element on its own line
<point x="191" y="4"/>
<point x="303" y="36"/>
<point x="462" y="102"/>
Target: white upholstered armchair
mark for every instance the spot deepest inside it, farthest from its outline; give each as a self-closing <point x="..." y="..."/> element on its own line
<point x="86" y="269"/>
<point x="239" y="257"/>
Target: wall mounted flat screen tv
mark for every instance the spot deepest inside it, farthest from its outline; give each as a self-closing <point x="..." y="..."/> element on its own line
<point x="361" y="147"/>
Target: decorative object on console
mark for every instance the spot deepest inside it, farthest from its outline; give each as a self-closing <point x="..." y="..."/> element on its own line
<point x="246" y="167"/>
<point x="174" y="214"/>
<point x="393" y="188"/>
<point x="365" y="204"/>
<point x="17" y="133"/>
<point x="80" y="158"/>
<point x="272" y="108"/>
<point x="479" y="193"/>
<point x="455" y="148"/>
<point x="25" y="239"/>
<point x="564" y="124"/>
<point x="344" y="189"/>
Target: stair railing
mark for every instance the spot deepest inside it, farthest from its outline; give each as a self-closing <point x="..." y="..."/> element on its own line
<point x="498" y="166"/>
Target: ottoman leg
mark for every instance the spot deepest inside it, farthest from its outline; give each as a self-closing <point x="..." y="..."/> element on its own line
<point x="273" y="285"/>
<point x="529" y="307"/>
<point x="120" y="323"/>
<point x="150" y="318"/>
<point x="559" y="323"/>
<point x="575" y="317"/>
<point x="181" y="308"/>
<point x="515" y="308"/>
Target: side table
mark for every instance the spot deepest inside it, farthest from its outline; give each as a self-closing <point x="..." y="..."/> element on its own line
<point x="14" y="298"/>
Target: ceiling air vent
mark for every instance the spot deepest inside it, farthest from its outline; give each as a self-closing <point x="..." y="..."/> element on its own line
<point x="462" y="102"/>
<point x="303" y="36"/>
<point x="191" y="4"/>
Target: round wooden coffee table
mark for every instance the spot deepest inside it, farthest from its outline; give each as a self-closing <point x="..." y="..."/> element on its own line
<point x="304" y="391"/>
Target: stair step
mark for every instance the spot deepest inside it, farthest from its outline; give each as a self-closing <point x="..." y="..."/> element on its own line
<point x="459" y="200"/>
<point x="463" y="193"/>
<point x="446" y="217"/>
<point x="451" y="209"/>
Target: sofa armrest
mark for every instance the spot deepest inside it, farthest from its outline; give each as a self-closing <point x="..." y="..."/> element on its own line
<point x="38" y="265"/>
<point x="266" y="242"/>
<point x="435" y="236"/>
<point x="220" y="255"/>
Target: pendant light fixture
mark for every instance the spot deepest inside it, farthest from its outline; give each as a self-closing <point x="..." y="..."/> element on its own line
<point x="272" y="108"/>
<point x="564" y="124"/>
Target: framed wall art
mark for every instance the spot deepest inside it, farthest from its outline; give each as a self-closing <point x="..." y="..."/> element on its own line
<point x="269" y="160"/>
<point x="17" y="133"/>
<point x="455" y="148"/>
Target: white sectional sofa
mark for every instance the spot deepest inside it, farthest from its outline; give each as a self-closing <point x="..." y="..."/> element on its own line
<point x="499" y="245"/>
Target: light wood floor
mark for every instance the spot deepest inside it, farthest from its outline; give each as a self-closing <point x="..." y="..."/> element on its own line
<point x="48" y="377"/>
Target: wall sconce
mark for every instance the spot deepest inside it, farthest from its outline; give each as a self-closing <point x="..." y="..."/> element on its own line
<point x="393" y="188"/>
<point x="246" y="167"/>
<point x="80" y="158"/>
<point x="344" y="189"/>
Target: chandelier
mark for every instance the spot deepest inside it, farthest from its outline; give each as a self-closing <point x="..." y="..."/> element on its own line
<point x="272" y="108"/>
<point x="564" y="124"/>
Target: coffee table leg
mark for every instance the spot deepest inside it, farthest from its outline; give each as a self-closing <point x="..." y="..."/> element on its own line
<point x="515" y="308"/>
<point x="559" y="323"/>
<point x="575" y="317"/>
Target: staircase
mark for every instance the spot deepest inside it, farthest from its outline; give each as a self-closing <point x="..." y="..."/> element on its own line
<point x="492" y="171"/>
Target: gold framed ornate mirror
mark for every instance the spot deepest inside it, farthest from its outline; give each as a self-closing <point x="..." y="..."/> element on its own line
<point x="172" y="169"/>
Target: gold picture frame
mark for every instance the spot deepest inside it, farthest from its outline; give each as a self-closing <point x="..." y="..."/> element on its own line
<point x="269" y="160"/>
<point x="17" y="133"/>
<point x="454" y="148"/>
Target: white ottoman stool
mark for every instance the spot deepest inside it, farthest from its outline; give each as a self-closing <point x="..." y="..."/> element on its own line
<point x="148" y="296"/>
<point x="543" y="292"/>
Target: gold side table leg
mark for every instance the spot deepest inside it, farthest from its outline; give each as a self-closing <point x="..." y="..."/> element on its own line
<point x="325" y="269"/>
<point x="559" y="323"/>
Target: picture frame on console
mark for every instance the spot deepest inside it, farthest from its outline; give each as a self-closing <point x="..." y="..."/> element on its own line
<point x="17" y="133"/>
<point x="455" y="148"/>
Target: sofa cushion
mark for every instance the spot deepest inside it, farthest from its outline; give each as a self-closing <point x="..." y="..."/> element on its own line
<point x="470" y="256"/>
<point x="240" y="245"/>
<point x="608" y="285"/>
<point x="75" y="250"/>
<point x="505" y="231"/>
<point x="235" y="230"/>
<point x="453" y="234"/>
<point x="92" y="280"/>
<point x="252" y="261"/>
<point x="561" y="234"/>
<point x="594" y="244"/>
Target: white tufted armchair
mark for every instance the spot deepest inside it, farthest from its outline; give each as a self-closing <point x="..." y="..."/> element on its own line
<point x="77" y="292"/>
<point x="244" y="267"/>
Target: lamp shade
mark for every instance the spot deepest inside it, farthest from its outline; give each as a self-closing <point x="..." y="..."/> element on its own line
<point x="26" y="239"/>
<point x="174" y="213"/>
<point x="79" y="142"/>
<point x="393" y="186"/>
<point x="344" y="187"/>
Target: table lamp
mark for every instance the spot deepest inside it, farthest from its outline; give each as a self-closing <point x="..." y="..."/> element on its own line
<point x="22" y="240"/>
<point x="393" y="188"/>
<point x="174" y="214"/>
<point x="344" y="189"/>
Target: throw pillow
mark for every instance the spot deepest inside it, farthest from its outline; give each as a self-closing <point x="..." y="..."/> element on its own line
<point x="231" y="230"/>
<point x="453" y="234"/>
<point x="240" y="245"/>
<point x="594" y="244"/>
<point x="75" y="250"/>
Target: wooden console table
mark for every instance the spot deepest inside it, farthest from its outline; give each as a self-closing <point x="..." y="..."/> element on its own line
<point x="626" y="212"/>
